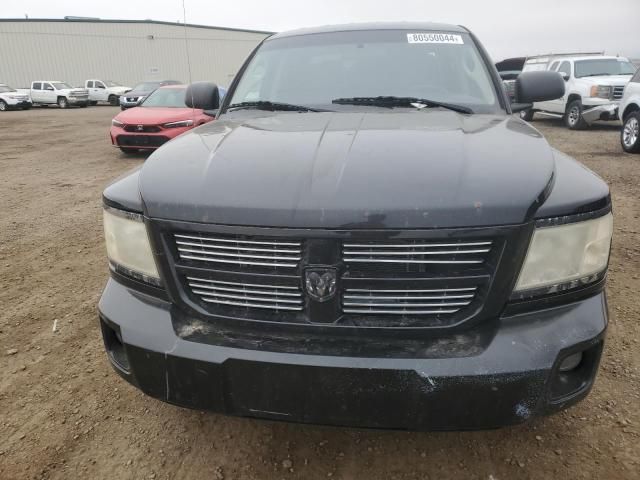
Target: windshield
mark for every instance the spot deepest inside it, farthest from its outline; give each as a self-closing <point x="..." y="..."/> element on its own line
<point x="111" y="83"/>
<point x="313" y="70"/>
<point x="60" y="85"/>
<point x="603" y="66"/>
<point x="166" y="97"/>
<point x="5" y="89"/>
<point x="146" y="86"/>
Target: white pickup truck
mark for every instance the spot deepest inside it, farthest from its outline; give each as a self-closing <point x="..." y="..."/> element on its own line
<point x="594" y="86"/>
<point x="53" y="92"/>
<point x="105" y="91"/>
<point x="10" y="98"/>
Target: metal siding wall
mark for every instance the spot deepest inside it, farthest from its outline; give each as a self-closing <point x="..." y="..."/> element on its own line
<point x="77" y="51"/>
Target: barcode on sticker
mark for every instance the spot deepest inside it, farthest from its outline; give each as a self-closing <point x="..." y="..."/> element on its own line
<point x="434" y="38"/>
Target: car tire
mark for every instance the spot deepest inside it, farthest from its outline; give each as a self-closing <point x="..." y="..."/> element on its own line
<point x="63" y="102"/>
<point x="630" y="133"/>
<point x="128" y="150"/>
<point x="84" y="105"/>
<point x="3" y="106"/>
<point x="527" y="115"/>
<point x="93" y="103"/>
<point x="573" y="116"/>
<point x="122" y="108"/>
<point x="114" y="101"/>
<point x="28" y="107"/>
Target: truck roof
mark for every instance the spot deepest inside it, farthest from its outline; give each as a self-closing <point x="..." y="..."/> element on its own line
<point x="347" y="27"/>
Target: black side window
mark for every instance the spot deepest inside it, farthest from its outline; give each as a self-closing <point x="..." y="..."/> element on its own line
<point x="565" y="68"/>
<point x="37" y="86"/>
<point x="90" y="84"/>
<point x="553" y="66"/>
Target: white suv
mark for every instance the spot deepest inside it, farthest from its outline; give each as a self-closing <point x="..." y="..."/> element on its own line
<point x="630" y="116"/>
<point x="595" y="84"/>
<point x="11" y="98"/>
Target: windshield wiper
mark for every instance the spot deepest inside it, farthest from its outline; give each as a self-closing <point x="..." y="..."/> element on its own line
<point x="272" y="106"/>
<point x="598" y="74"/>
<point x="391" y="101"/>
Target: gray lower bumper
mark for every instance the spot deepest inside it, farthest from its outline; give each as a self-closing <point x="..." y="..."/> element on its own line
<point x="602" y="112"/>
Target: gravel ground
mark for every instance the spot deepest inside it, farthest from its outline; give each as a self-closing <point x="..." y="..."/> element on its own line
<point x="64" y="414"/>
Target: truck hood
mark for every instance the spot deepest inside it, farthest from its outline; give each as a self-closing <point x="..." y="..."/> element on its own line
<point x="615" y="80"/>
<point x="155" y="115"/>
<point x="397" y="169"/>
<point x="118" y="90"/>
<point x="73" y="91"/>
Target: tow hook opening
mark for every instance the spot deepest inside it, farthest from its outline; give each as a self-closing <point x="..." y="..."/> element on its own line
<point x="574" y="372"/>
<point x="114" y="346"/>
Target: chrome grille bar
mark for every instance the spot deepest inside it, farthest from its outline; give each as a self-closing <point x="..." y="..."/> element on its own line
<point x="250" y="295"/>
<point x="231" y="240"/>
<point x="407" y="301"/>
<point x="411" y="252"/>
<point x="238" y="250"/>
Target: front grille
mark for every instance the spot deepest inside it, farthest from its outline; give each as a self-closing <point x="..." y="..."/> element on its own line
<point x="144" y="128"/>
<point x="417" y="252"/>
<point x="618" y="92"/>
<point x="238" y="251"/>
<point x="408" y="302"/>
<point x="411" y="280"/>
<point x="250" y="295"/>
<point x="141" y="140"/>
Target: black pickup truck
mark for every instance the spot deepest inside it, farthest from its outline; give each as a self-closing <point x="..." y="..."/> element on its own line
<point x="364" y="236"/>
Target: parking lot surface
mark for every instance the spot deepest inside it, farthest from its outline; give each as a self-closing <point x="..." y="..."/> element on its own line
<point x="65" y="414"/>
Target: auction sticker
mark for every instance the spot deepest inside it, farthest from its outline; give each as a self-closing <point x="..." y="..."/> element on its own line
<point x="434" y="38"/>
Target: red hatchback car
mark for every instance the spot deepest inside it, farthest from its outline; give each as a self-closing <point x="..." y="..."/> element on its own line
<point x="162" y="116"/>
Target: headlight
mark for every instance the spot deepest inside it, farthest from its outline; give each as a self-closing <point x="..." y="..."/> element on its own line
<point x="181" y="123"/>
<point x="566" y="256"/>
<point x="116" y="123"/>
<point x="601" y="91"/>
<point x="128" y="246"/>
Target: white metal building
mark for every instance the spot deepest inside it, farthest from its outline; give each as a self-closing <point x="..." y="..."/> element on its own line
<point x="125" y="51"/>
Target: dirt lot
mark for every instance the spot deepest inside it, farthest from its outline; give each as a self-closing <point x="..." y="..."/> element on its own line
<point x="64" y="413"/>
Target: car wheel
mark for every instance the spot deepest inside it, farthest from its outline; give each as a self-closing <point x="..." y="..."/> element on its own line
<point x="84" y="105"/>
<point x="3" y="106"/>
<point x="62" y="102"/>
<point x="28" y="107"/>
<point x="573" y="116"/>
<point x="113" y="101"/>
<point x="122" y="108"/>
<point x="526" y="115"/>
<point x="128" y="151"/>
<point x="93" y="103"/>
<point x="630" y="134"/>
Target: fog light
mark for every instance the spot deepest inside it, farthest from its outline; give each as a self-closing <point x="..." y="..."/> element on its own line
<point x="571" y="362"/>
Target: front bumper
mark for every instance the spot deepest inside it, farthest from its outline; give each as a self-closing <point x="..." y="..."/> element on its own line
<point x="512" y="378"/>
<point x="600" y="112"/>
<point x="146" y="141"/>
<point x="78" y="100"/>
<point x="18" y="103"/>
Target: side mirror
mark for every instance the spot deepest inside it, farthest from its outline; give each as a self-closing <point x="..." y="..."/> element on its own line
<point x="565" y="77"/>
<point x="203" y="95"/>
<point x="539" y="86"/>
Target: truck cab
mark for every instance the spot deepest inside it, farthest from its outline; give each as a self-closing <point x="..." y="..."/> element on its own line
<point x="105" y="91"/>
<point x="55" y="92"/>
<point x="594" y="86"/>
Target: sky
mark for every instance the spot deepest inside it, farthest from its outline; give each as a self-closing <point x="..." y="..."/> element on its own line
<point x="507" y="28"/>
